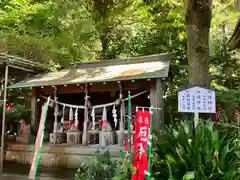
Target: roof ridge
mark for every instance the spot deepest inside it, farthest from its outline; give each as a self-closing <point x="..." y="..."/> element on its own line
<point x="127" y="60"/>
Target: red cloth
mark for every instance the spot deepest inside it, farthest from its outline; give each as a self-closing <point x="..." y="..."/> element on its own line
<point x="104" y="124"/>
<point x="141" y="139"/>
<point x="8" y="107"/>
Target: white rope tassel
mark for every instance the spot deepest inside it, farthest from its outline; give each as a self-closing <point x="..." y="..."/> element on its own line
<point x="93" y="119"/>
<point x="76" y="118"/>
<point x="71" y="114"/>
<point x="63" y="115"/>
<point x="114" y="113"/>
<point x="104" y="115"/>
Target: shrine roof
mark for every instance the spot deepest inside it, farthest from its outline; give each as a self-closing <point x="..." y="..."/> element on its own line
<point x="143" y="67"/>
<point x="19" y="63"/>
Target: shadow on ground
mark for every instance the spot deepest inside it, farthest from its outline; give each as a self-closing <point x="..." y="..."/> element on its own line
<point x="22" y="169"/>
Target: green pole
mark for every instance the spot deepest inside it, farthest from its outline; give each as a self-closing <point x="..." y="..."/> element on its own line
<point x="150" y="143"/>
<point x="129" y="124"/>
<point x="41" y="142"/>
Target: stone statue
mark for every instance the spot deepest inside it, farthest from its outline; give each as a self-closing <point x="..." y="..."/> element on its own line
<point x="24" y="133"/>
<point x="106" y="127"/>
<point x="24" y="128"/>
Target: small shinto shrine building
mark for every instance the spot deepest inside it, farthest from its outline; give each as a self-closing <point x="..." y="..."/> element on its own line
<point x="85" y="95"/>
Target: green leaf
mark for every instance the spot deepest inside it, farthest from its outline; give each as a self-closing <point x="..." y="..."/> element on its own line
<point x="189" y="175"/>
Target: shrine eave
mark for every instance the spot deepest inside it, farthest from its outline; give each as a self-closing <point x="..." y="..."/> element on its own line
<point x="143" y="67"/>
<point x="19" y="63"/>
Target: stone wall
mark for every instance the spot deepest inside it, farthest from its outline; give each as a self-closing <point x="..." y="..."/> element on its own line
<point x="59" y="156"/>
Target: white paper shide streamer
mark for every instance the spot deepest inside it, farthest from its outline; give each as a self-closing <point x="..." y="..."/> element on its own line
<point x="71" y="114"/>
<point x="114" y="114"/>
<point x="104" y="115"/>
<point x="76" y="118"/>
<point x="93" y="119"/>
<point x="63" y="115"/>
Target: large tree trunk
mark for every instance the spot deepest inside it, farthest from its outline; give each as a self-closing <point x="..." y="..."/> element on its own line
<point x="102" y="10"/>
<point x="198" y="21"/>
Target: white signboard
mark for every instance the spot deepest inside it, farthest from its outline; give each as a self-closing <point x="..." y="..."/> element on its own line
<point x="197" y="100"/>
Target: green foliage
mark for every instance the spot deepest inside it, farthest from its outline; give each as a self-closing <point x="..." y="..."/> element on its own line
<point x="204" y="153"/>
<point x="123" y="171"/>
<point x="17" y="112"/>
<point x="102" y="167"/>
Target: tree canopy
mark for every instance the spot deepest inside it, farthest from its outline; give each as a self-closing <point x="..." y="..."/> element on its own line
<point x="58" y="33"/>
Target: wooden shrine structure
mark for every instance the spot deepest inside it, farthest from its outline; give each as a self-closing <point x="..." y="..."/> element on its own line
<point x="85" y="83"/>
<point x="91" y="92"/>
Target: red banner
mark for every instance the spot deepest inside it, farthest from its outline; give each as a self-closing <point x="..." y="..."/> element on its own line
<point x="141" y="139"/>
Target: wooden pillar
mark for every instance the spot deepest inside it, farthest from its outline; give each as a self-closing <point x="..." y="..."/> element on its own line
<point x="84" y="136"/>
<point x="121" y="124"/>
<point x="4" y="115"/>
<point x="34" y="111"/>
<point x="156" y="100"/>
<point x="55" y="127"/>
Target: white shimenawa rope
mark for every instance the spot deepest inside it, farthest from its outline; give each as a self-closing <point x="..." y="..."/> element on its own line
<point x="96" y="106"/>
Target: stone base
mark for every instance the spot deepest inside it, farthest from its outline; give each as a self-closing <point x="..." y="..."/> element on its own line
<point x="10" y="139"/>
<point x="74" y="136"/>
<point x="93" y="137"/>
<point x="25" y="139"/>
<point x="106" y="138"/>
<point x="58" y="156"/>
<point x="57" y="137"/>
<point x="120" y="138"/>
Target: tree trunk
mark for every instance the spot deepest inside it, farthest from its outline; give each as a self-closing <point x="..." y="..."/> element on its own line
<point x="101" y="18"/>
<point x="198" y="21"/>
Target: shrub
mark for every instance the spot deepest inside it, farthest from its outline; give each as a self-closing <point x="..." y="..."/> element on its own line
<point x="123" y="171"/>
<point x="102" y="167"/>
<point x="187" y="153"/>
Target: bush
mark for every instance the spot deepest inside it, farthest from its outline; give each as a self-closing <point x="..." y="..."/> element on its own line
<point x="184" y="153"/>
<point x="123" y="171"/>
<point x="102" y="167"/>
